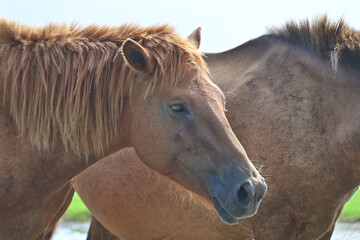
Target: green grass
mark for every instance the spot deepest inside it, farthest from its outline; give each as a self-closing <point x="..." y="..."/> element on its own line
<point x="77" y="211"/>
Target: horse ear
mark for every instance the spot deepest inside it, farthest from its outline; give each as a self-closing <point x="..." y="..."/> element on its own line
<point x="195" y="37"/>
<point x="138" y="57"/>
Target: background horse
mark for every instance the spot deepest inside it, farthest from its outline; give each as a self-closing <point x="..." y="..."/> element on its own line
<point x="292" y="100"/>
<point x="73" y="95"/>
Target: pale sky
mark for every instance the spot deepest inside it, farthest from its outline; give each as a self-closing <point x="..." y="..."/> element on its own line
<point x="225" y="23"/>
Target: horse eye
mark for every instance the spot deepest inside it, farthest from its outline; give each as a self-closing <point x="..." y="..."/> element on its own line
<point x="178" y="109"/>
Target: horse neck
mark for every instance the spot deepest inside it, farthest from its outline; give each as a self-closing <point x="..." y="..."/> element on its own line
<point x="347" y="131"/>
<point x="332" y="109"/>
<point x="330" y="98"/>
<point x="334" y="112"/>
<point x="50" y="169"/>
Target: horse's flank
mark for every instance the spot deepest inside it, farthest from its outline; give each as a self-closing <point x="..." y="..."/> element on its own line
<point x="71" y="82"/>
<point x="334" y="42"/>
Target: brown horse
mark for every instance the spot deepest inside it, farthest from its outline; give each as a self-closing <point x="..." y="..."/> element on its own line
<point x="292" y="100"/>
<point x="71" y="96"/>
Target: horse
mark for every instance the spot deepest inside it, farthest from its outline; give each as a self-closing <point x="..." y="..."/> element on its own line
<point x="73" y="95"/>
<point x="292" y="99"/>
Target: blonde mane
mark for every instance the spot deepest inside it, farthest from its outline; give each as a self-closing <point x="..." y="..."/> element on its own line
<point x="334" y="42"/>
<point x="68" y="82"/>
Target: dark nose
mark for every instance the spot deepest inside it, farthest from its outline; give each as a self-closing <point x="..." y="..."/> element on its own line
<point x="245" y="194"/>
<point x="243" y="202"/>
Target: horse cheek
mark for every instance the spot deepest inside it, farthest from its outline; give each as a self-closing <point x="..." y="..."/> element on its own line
<point x="150" y="138"/>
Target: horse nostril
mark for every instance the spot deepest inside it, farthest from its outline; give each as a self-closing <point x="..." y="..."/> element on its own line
<point x="245" y="194"/>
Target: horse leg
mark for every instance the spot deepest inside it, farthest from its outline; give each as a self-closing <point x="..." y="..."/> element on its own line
<point x="328" y="235"/>
<point x="48" y="233"/>
<point x="98" y="232"/>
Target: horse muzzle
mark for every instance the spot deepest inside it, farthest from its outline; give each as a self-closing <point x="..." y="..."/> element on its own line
<point x="234" y="205"/>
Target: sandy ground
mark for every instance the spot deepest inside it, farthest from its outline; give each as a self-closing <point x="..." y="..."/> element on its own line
<point x="77" y="231"/>
<point x="346" y="231"/>
<point x="71" y="231"/>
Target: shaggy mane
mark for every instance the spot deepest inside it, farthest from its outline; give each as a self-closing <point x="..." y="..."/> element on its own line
<point x="68" y="82"/>
<point x="335" y="42"/>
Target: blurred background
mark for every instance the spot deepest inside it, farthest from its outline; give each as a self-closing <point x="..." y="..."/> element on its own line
<point x="225" y="23"/>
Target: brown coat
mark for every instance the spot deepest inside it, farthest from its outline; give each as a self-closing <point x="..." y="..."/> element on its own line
<point x="293" y="101"/>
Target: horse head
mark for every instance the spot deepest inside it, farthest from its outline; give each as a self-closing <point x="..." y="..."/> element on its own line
<point x="177" y="126"/>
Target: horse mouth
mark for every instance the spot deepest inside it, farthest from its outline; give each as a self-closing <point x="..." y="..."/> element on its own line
<point x="224" y="215"/>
